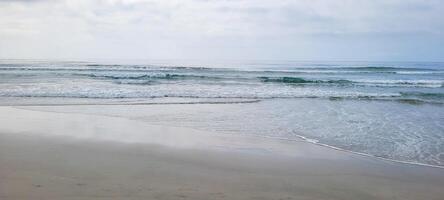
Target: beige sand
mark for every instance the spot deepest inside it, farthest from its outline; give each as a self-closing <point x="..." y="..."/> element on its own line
<point x="74" y="156"/>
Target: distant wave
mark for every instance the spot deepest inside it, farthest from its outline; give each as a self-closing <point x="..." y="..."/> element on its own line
<point x="427" y="95"/>
<point x="146" y="75"/>
<point x="301" y="80"/>
<point x="366" y="82"/>
<point x="268" y="79"/>
<point x="238" y="68"/>
<point x="200" y="72"/>
<point x="402" y="83"/>
<point x="90" y="80"/>
<point x="102" y="65"/>
<point x="153" y="76"/>
<point x="358" y="70"/>
<point x="383" y="68"/>
<point x="216" y="95"/>
<point x="99" y="67"/>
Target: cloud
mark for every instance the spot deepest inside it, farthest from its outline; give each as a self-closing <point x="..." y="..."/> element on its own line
<point x="210" y="28"/>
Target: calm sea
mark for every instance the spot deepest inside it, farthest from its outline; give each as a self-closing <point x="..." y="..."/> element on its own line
<point x="392" y="110"/>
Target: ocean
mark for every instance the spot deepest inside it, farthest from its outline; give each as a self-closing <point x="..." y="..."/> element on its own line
<point x="392" y="110"/>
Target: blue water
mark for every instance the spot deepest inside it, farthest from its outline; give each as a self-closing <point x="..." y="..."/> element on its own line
<point x="388" y="109"/>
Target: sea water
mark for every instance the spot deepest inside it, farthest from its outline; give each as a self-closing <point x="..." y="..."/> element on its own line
<point x="392" y="110"/>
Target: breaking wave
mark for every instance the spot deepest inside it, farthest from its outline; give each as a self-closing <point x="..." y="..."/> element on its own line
<point x="380" y="83"/>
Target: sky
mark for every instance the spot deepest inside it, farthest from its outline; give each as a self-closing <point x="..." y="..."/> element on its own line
<point x="367" y="30"/>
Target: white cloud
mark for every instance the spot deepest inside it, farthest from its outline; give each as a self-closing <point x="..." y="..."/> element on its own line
<point x="250" y="29"/>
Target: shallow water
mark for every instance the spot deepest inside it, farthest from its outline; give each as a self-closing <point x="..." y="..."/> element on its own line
<point x="390" y="110"/>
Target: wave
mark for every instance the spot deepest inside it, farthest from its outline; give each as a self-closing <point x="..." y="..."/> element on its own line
<point x="301" y="80"/>
<point x="419" y="72"/>
<point x="124" y="75"/>
<point x="414" y="98"/>
<point x="425" y="95"/>
<point x="362" y="82"/>
<point x="135" y="82"/>
<point x="402" y="97"/>
<point x="151" y="78"/>
<point x="401" y="83"/>
<point x="197" y="94"/>
<point x="330" y="71"/>
<point x="218" y="99"/>
<point x="100" y="67"/>
<point x="166" y="76"/>
<point x="358" y="70"/>
<point x="200" y="72"/>
<point x="376" y="68"/>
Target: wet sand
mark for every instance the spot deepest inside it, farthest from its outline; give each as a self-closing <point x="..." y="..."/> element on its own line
<point x="47" y="155"/>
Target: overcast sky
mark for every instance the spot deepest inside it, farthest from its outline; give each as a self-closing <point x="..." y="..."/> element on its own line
<point x="391" y="30"/>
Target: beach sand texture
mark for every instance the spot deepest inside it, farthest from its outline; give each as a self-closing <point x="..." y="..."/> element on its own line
<point x="47" y="155"/>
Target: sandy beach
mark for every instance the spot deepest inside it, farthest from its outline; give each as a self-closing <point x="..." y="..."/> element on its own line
<point x="47" y="155"/>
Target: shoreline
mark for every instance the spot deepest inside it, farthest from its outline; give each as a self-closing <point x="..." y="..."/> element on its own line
<point x="303" y="138"/>
<point x="82" y="156"/>
<point x="315" y="142"/>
